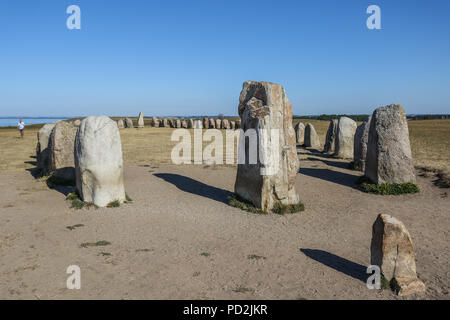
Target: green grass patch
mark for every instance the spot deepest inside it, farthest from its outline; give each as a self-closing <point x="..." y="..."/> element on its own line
<point x="238" y="202"/>
<point x="386" y="188"/>
<point x="113" y="204"/>
<point x="76" y="203"/>
<point x="95" y="244"/>
<point x="205" y="254"/>
<point x="385" y="283"/>
<point x="128" y="198"/>
<point x="242" y="289"/>
<point x="280" y="208"/>
<point x="75" y="226"/>
<point x="353" y="166"/>
<point x="105" y="254"/>
<point x="255" y="257"/>
<point x="196" y="274"/>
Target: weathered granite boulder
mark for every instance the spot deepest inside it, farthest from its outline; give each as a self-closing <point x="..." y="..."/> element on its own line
<point x="264" y="105"/>
<point x="360" y="145"/>
<point x="141" y="120"/>
<point x="225" y="124"/>
<point x="330" y="139"/>
<point x="206" y="123"/>
<point x="42" y="150"/>
<point x="197" y="124"/>
<point x="218" y="123"/>
<point x="155" y="122"/>
<point x="389" y="158"/>
<point x="128" y="123"/>
<point x="212" y="123"/>
<point x="392" y="250"/>
<point x="98" y="161"/>
<point x="61" y="144"/>
<point x="300" y="133"/>
<point x="311" y="137"/>
<point x="344" y="138"/>
<point x="120" y="124"/>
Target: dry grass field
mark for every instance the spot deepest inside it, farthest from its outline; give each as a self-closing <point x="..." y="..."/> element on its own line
<point x="430" y="143"/>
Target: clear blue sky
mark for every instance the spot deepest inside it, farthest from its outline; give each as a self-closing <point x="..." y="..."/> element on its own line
<point x="190" y="57"/>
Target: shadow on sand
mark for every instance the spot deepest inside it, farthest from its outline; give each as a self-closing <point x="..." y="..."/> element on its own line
<point x="341" y="178"/>
<point x="352" y="269"/>
<point x="195" y="187"/>
<point x="65" y="187"/>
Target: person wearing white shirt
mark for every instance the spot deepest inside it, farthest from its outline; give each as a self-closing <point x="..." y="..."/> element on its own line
<point x="21" y="127"/>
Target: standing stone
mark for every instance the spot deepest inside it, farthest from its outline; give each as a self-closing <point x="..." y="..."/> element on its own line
<point x="61" y="144"/>
<point x="225" y="124"/>
<point x="360" y="145"/>
<point x="120" y="124"/>
<point x="300" y="133"/>
<point x="392" y="250"/>
<point x="212" y="123"/>
<point x="232" y="125"/>
<point x="330" y="140"/>
<point x="42" y="150"/>
<point x="264" y="105"/>
<point x="184" y="124"/>
<point x="77" y="123"/>
<point x="238" y="123"/>
<point x="128" y="123"/>
<point x="177" y="123"/>
<point x="311" y="137"/>
<point x="389" y="158"/>
<point x="218" y="123"/>
<point x="197" y="124"/>
<point x="141" y="120"/>
<point x="98" y="161"/>
<point x="164" y="123"/>
<point x="344" y="138"/>
<point x="206" y="123"/>
<point x="190" y="123"/>
<point x="155" y="122"/>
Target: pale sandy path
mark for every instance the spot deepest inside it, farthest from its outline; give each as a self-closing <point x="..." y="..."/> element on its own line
<point x="179" y="213"/>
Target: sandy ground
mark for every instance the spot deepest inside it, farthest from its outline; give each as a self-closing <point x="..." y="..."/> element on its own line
<point x="180" y="240"/>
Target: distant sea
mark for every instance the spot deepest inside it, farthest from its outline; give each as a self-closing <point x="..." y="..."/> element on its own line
<point x="12" y="122"/>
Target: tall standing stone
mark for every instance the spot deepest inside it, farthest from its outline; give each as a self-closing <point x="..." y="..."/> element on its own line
<point x="197" y="124"/>
<point x="392" y="250"/>
<point x="311" y="137"/>
<point x="218" y="123"/>
<point x="344" y="138"/>
<point x="225" y="124"/>
<point x="98" y="161"/>
<point x="77" y="123"/>
<point x="264" y="105"/>
<point x="61" y="144"/>
<point x="190" y="123"/>
<point x="164" y="123"/>
<point x="389" y="158"/>
<point x="360" y="145"/>
<point x="206" y="123"/>
<point x="177" y="123"/>
<point x="212" y="124"/>
<point x="42" y="150"/>
<point x="141" y="120"/>
<point x="238" y="123"/>
<point x="232" y="125"/>
<point x="300" y="133"/>
<point x="120" y="124"/>
<point x="155" y="122"/>
<point x="330" y="139"/>
<point x="184" y="124"/>
<point x="128" y="123"/>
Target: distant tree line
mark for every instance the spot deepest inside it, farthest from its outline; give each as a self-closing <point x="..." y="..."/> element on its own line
<point x="328" y="117"/>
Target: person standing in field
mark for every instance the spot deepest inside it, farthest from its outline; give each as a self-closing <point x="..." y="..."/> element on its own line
<point x="21" y="127"/>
